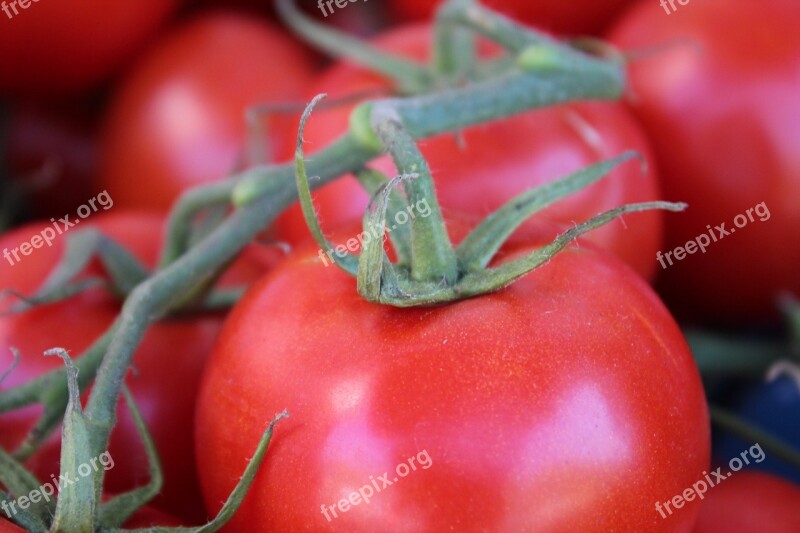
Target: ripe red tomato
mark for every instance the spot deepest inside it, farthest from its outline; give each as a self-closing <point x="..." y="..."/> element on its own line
<point x="720" y="104"/>
<point x="573" y="17"/>
<point x="52" y="157"/>
<point x="501" y="160"/>
<point x="166" y="399"/>
<point x="567" y="402"/>
<point x="66" y="47"/>
<point x="8" y="527"/>
<point x="149" y="517"/>
<point x="751" y="501"/>
<point x="179" y="118"/>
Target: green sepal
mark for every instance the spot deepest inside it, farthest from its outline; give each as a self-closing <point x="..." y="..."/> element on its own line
<point x="403" y="292"/>
<point x="234" y="500"/>
<point x="480" y="246"/>
<point x="373" y="182"/>
<point x="347" y="262"/>
<point x="75" y="509"/>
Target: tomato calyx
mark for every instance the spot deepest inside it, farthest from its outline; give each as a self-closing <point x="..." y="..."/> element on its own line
<point x="430" y="270"/>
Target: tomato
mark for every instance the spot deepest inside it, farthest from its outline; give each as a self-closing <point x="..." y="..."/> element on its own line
<point x="52" y="156"/>
<point x="720" y="103"/>
<point x="501" y="160"/>
<point x="55" y="48"/>
<point x="573" y="17"/>
<point x="8" y="527"/>
<point x="775" y="408"/>
<point x="567" y="402"/>
<point x="749" y="502"/>
<point x="166" y="399"/>
<point x="149" y="517"/>
<point x="179" y="118"/>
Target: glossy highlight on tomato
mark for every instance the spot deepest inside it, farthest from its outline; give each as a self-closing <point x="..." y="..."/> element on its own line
<point x="572" y="385"/>
<point x="179" y="118"/>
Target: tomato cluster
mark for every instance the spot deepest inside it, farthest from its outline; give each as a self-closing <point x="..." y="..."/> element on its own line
<point x="568" y="400"/>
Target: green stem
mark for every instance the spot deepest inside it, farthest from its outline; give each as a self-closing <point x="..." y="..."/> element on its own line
<point x="432" y="254"/>
<point x="187" y="207"/>
<point x="455" y="48"/>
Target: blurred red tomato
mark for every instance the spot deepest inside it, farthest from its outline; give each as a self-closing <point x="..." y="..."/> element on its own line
<point x="720" y="102"/>
<point x="570" y="17"/>
<point x="66" y="47"/>
<point x="500" y="160"/>
<point x="751" y="502"/>
<point x="166" y="398"/>
<point x="179" y="119"/>
<point x="52" y="157"/>
<point x="8" y="527"/>
<point x="149" y="517"/>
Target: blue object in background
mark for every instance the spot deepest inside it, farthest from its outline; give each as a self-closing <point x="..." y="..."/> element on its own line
<point x="775" y="408"/>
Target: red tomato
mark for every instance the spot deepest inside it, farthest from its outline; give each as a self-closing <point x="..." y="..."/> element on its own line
<point x="66" y="47"/>
<point x="8" y="527"/>
<point x="567" y="402"/>
<point x="573" y="17"/>
<point x="720" y="103"/>
<point x="750" y="502"/>
<point x="501" y="160"/>
<point x="179" y="119"/>
<point x="52" y="155"/>
<point x="149" y="517"/>
<point x="166" y="399"/>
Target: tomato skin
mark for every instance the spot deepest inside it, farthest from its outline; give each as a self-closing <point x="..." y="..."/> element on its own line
<point x="166" y="399"/>
<point x="574" y="17"/>
<point x="57" y="48"/>
<point x="573" y="385"/>
<point x="502" y="159"/>
<point x="179" y="118"/>
<point x="8" y="527"/>
<point x="149" y="517"/>
<point x="748" y="502"/>
<point x="724" y="126"/>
